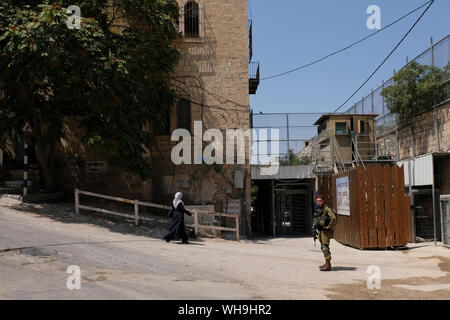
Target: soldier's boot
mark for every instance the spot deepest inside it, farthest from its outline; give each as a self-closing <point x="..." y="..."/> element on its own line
<point x="327" y="266"/>
<point x="323" y="266"/>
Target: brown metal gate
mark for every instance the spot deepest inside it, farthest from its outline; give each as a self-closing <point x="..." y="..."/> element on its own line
<point x="379" y="207"/>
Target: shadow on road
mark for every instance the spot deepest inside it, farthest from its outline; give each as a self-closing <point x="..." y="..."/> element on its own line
<point x="190" y="243"/>
<point x="65" y="213"/>
<point x="344" y="269"/>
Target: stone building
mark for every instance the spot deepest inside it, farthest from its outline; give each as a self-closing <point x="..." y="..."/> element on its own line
<point x="213" y="81"/>
<point x="343" y="140"/>
<point x="212" y="84"/>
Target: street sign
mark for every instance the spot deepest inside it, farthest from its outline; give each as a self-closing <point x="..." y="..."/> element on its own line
<point x="26" y="127"/>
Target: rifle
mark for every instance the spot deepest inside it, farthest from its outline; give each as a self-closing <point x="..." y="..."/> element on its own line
<point x="314" y="230"/>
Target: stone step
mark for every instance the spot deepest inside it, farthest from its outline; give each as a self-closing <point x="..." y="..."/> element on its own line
<point x="17" y="184"/>
<point x="4" y="190"/>
<point x="38" y="197"/>
<point x="33" y="174"/>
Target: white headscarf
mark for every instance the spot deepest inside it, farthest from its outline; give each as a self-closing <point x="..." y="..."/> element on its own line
<point x="177" y="200"/>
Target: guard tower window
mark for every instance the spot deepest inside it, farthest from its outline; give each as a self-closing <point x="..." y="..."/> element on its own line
<point x="362" y="127"/>
<point x="184" y="114"/>
<point x="191" y="19"/>
<point x="341" y="128"/>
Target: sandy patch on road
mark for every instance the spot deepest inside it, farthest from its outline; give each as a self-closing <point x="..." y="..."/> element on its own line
<point x="417" y="288"/>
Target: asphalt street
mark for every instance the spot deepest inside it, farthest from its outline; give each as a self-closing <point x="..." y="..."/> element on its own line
<point x="120" y="261"/>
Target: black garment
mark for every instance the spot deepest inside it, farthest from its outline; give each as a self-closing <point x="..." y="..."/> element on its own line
<point x="176" y="230"/>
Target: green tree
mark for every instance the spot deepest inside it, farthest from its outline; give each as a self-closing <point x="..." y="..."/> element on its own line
<point x="292" y="159"/>
<point x="305" y="160"/>
<point x="416" y="89"/>
<point x="110" y="77"/>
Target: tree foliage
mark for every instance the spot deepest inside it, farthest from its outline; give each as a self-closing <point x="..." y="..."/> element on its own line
<point x="416" y="89"/>
<point x="109" y="77"/>
<point x="292" y="159"/>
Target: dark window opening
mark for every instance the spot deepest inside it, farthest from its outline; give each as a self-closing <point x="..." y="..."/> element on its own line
<point x="191" y="19"/>
<point x="362" y="127"/>
<point x="341" y="128"/>
<point x="184" y="114"/>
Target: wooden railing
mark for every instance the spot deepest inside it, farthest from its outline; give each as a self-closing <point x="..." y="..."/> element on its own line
<point x="138" y="203"/>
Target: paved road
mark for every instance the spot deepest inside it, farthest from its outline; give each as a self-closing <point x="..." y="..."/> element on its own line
<point x="119" y="261"/>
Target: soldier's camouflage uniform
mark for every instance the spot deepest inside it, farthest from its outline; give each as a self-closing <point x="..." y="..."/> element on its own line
<point x="323" y="215"/>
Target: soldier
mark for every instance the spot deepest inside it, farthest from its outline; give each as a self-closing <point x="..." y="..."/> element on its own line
<point x="324" y="221"/>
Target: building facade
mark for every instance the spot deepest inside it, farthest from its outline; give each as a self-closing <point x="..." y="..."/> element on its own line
<point x="343" y="140"/>
<point x="212" y="84"/>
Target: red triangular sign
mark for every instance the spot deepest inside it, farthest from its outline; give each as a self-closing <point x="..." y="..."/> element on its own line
<point x="26" y="127"/>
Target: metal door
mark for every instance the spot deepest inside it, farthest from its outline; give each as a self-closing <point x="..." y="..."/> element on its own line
<point x="299" y="211"/>
<point x="291" y="214"/>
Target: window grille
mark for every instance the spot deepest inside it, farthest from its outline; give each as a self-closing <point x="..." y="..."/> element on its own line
<point x="191" y="19"/>
<point x="184" y="114"/>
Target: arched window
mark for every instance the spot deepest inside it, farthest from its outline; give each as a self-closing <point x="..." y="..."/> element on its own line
<point x="191" y="19"/>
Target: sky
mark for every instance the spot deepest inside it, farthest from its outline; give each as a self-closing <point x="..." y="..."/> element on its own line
<point x="290" y="33"/>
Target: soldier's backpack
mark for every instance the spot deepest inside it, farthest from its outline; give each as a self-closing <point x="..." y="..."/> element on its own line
<point x="335" y="214"/>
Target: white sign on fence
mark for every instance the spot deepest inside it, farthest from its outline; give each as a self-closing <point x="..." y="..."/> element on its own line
<point x="233" y="207"/>
<point x="343" y="196"/>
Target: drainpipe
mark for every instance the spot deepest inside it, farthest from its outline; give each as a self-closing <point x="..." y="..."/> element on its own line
<point x="434" y="202"/>
<point x="273" y="208"/>
<point x="436" y="129"/>
<point x="412" y="200"/>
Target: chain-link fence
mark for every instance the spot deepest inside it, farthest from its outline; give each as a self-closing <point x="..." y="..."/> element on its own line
<point x="277" y="133"/>
<point x="438" y="55"/>
<point x="282" y="131"/>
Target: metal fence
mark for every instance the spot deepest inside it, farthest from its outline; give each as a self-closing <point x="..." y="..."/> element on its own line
<point x="445" y="219"/>
<point x="297" y="129"/>
<point x="290" y="130"/>
<point x="438" y="55"/>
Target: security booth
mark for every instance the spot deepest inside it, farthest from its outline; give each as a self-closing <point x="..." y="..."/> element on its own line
<point x="445" y="219"/>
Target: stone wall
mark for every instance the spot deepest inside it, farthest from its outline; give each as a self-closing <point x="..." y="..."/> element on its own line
<point x="444" y="174"/>
<point x="419" y="137"/>
<point x="213" y="75"/>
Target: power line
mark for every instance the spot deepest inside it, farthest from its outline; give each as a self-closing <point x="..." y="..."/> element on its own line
<point x="390" y="54"/>
<point x="348" y="47"/>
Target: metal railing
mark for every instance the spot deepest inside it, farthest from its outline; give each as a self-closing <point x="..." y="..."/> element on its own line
<point x="137" y="217"/>
<point x="253" y="70"/>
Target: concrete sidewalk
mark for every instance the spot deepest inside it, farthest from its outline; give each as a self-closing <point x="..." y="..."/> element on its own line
<point x="120" y="261"/>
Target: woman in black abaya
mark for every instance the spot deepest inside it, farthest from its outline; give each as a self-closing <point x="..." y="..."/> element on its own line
<point x="176" y="231"/>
